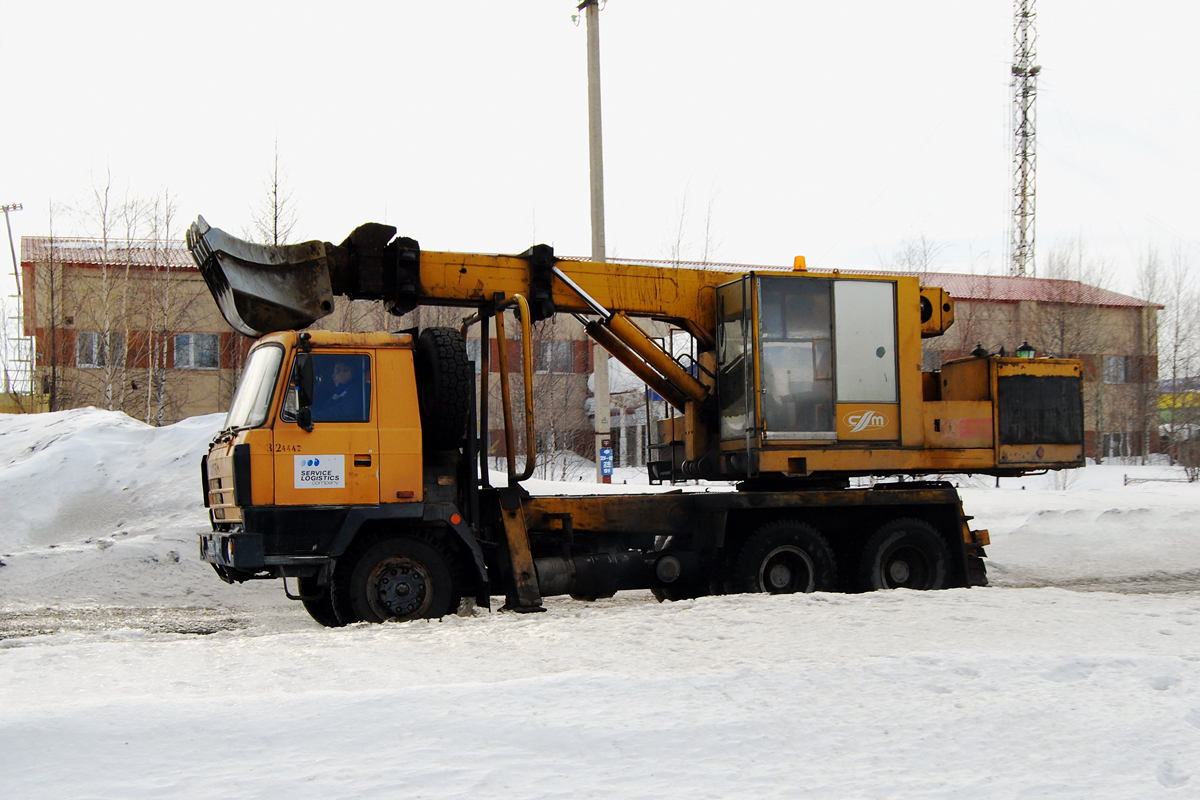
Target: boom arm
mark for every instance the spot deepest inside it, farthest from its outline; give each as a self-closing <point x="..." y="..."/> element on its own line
<point x="263" y="288"/>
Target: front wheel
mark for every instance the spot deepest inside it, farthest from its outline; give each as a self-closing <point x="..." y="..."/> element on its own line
<point x="783" y="558"/>
<point x="905" y="554"/>
<point x="318" y="602"/>
<point x="398" y="578"/>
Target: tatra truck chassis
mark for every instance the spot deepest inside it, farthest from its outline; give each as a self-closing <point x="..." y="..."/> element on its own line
<point x="353" y="465"/>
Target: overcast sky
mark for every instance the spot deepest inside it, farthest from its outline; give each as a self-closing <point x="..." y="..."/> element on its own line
<point x="833" y="130"/>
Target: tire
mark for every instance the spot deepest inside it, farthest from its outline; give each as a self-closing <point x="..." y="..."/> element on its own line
<point x="443" y="387"/>
<point x="905" y="554"/>
<point x="398" y="578"/>
<point x="783" y="558"/>
<point x="674" y="593"/>
<point x="976" y="571"/>
<point x="320" y="607"/>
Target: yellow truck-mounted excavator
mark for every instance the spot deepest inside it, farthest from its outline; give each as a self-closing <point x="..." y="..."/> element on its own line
<point x="355" y="463"/>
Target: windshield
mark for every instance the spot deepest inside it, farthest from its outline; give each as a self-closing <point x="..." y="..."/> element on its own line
<point x="252" y="400"/>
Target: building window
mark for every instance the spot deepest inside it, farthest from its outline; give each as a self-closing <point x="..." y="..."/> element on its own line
<point x="95" y="349"/>
<point x="1115" y="445"/>
<point x="1115" y="369"/>
<point x="556" y="355"/>
<point x="196" y="351"/>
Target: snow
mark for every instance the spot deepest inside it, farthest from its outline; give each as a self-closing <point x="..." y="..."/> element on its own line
<point x="126" y="671"/>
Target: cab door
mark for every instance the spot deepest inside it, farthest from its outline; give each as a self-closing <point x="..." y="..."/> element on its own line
<point x="336" y="463"/>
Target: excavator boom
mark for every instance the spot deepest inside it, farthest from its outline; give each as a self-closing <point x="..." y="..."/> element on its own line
<point x="797" y="374"/>
<point x="262" y="288"/>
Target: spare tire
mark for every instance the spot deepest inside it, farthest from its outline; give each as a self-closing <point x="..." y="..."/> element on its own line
<point x="443" y="387"/>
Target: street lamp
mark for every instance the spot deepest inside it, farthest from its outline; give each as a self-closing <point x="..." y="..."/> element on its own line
<point x="1026" y="350"/>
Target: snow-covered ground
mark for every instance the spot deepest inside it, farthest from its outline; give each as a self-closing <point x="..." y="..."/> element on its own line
<point x="1023" y="689"/>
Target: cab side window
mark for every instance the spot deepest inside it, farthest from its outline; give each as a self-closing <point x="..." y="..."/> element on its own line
<point x="341" y="387"/>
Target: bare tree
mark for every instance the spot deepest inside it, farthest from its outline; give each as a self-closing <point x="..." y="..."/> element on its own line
<point x="676" y="245"/>
<point x="1070" y="324"/>
<point x="916" y="256"/>
<point x="357" y="316"/>
<point x="710" y="246"/>
<point x="1150" y="287"/>
<point x="1179" y="348"/>
<point x="113" y="315"/>
<point x="275" y="218"/>
<point x="558" y="396"/>
<point x="680" y="245"/>
<point x="103" y="215"/>
<point x="131" y="216"/>
<point x="166" y="307"/>
<point x="48" y="294"/>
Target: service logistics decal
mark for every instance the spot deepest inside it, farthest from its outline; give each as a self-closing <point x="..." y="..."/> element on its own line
<point x="860" y="421"/>
<point x="320" y="472"/>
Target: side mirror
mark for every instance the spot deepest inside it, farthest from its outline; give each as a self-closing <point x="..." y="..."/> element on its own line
<point x="302" y="379"/>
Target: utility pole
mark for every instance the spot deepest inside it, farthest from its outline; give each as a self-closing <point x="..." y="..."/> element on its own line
<point x="1024" y="83"/>
<point x="11" y="249"/>
<point x="4" y="340"/>
<point x="591" y="9"/>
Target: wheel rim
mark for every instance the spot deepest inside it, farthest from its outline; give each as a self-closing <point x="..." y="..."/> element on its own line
<point x="906" y="567"/>
<point x="399" y="588"/>
<point x="786" y="570"/>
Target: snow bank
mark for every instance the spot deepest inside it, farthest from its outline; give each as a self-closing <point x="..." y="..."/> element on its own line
<point x="101" y="508"/>
<point x="1097" y="532"/>
<point x="85" y="472"/>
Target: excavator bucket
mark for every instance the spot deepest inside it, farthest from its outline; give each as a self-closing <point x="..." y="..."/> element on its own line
<point x="262" y="288"/>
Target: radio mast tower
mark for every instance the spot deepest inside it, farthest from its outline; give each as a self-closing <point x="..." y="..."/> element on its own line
<point x="1024" y="83"/>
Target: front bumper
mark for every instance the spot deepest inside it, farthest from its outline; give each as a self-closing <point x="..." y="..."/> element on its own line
<point x="237" y="550"/>
<point x="238" y="556"/>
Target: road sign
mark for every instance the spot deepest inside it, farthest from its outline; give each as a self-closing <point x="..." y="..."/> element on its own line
<point x="606" y="461"/>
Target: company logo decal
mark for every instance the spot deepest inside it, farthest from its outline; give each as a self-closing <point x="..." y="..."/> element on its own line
<point x="320" y="472"/>
<point x="865" y="420"/>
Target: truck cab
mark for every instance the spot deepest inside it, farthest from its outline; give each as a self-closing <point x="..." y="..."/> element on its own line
<point x="324" y="440"/>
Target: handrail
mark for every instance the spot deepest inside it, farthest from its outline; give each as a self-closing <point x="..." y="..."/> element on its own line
<point x="505" y="400"/>
<point x="485" y="371"/>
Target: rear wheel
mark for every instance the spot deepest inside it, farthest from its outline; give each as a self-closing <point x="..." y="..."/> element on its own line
<point x="905" y="554"/>
<point x="443" y="387"/>
<point x="318" y="603"/>
<point x="674" y="593"/>
<point x="398" y="578"/>
<point x="783" y="558"/>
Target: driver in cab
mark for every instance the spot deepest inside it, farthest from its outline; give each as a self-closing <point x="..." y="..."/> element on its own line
<point x="340" y="395"/>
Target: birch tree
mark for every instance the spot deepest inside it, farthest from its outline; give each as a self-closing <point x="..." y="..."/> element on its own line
<point x="162" y="307"/>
